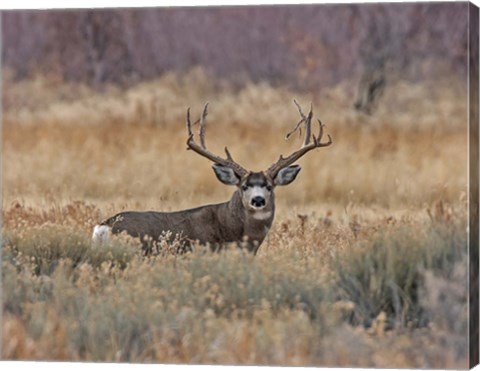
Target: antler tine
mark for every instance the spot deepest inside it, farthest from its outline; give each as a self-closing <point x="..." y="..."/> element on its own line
<point x="202" y="125"/>
<point x="189" y="124"/>
<point x="299" y="109"/>
<point x="320" y="131"/>
<point x="202" y="149"/>
<point x="229" y="156"/>
<point x="308" y="127"/>
<point x="306" y="146"/>
<point x="287" y="137"/>
<point x="307" y="120"/>
<point x="320" y="135"/>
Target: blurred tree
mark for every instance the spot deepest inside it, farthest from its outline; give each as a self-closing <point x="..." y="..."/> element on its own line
<point x="305" y="46"/>
<point x="409" y="41"/>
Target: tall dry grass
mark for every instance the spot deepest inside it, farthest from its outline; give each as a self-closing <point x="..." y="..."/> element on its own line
<point x="128" y="147"/>
<point x="372" y="228"/>
<point x="335" y="301"/>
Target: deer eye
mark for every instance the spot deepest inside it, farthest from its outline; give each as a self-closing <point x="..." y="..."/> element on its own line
<point x="269" y="187"/>
<point x="244" y="187"/>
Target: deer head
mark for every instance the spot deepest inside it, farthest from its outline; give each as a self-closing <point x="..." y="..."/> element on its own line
<point x="257" y="188"/>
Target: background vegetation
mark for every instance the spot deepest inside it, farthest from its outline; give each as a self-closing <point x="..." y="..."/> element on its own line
<point x="365" y="264"/>
<point x="306" y="47"/>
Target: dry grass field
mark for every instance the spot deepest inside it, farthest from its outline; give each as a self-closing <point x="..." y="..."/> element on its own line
<point x="365" y="264"/>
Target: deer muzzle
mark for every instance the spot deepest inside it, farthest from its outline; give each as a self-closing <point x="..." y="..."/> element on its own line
<point x="258" y="201"/>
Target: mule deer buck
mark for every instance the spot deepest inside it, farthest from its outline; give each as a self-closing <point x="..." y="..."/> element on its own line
<point x="245" y="219"/>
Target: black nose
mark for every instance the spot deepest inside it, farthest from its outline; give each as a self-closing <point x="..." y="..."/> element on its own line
<point x="258" y="201"/>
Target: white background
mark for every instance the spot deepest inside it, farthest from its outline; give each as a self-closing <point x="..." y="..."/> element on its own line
<point x="49" y="4"/>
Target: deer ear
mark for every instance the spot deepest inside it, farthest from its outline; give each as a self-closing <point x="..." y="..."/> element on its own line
<point x="287" y="175"/>
<point x="225" y="174"/>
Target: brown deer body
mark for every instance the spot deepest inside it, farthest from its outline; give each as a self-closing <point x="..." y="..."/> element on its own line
<point x="245" y="219"/>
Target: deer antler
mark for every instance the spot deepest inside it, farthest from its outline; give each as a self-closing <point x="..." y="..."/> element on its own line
<point x="202" y="149"/>
<point x="307" y="144"/>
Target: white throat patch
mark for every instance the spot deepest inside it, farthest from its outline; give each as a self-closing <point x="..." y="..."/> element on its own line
<point x="261" y="215"/>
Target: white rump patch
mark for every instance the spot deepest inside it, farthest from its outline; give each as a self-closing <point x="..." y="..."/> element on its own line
<point x="101" y="234"/>
<point x="262" y="215"/>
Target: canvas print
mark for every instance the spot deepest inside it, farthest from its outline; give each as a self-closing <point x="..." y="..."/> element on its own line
<point x="241" y="185"/>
